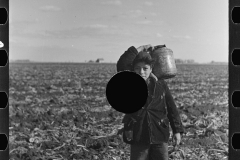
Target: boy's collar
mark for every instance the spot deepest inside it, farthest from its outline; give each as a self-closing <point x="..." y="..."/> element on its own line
<point x="148" y="80"/>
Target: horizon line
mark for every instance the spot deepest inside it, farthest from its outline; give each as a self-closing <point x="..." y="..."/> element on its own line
<point x="92" y="61"/>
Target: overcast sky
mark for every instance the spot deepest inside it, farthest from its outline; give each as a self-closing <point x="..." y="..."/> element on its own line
<point x="83" y="30"/>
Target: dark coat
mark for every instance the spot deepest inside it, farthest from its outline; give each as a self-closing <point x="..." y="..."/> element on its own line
<point x="152" y="126"/>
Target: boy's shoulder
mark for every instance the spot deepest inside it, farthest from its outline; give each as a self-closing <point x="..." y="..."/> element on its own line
<point x="161" y="82"/>
<point x="161" y="85"/>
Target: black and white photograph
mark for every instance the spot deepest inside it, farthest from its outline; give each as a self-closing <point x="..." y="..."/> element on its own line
<point x="118" y="80"/>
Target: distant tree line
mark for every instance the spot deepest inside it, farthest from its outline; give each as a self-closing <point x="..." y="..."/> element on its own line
<point x="213" y="62"/>
<point x="184" y="61"/>
<point x="21" y="61"/>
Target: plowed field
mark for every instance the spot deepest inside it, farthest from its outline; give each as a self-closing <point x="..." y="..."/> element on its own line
<point x="59" y="111"/>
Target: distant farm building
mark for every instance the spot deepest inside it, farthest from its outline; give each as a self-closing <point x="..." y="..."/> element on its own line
<point x="99" y="60"/>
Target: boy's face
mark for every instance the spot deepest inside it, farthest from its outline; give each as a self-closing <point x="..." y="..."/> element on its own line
<point x="143" y="70"/>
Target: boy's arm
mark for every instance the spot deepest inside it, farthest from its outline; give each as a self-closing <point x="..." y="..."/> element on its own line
<point x="173" y="115"/>
<point x="126" y="118"/>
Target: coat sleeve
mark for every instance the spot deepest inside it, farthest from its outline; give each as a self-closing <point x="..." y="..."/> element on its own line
<point x="125" y="118"/>
<point x="173" y="115"/>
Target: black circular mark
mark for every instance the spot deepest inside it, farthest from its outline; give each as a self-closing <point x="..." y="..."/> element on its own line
<point x="127" y="92"/>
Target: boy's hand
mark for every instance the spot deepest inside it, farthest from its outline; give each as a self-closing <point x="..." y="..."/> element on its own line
<point x="129" y="135"/>
<point x="177" y="138"/>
